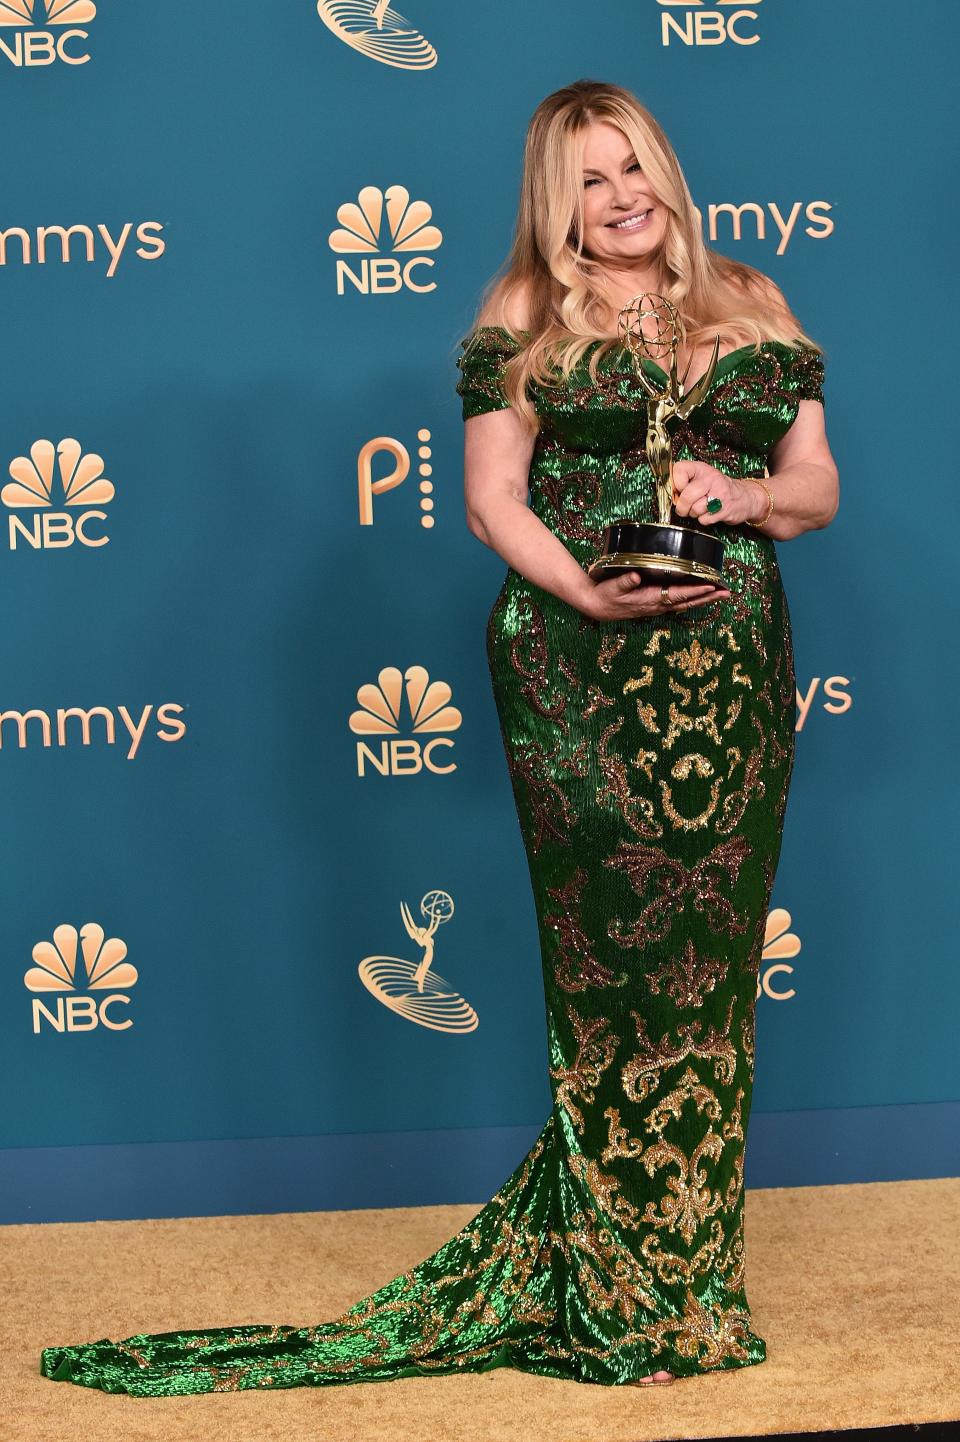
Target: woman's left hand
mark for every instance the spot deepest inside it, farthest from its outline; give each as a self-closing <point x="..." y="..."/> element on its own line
<point x="694" y="481"/>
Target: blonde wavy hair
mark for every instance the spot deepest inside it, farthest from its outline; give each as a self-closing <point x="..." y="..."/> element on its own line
<point x="547" y="277"/>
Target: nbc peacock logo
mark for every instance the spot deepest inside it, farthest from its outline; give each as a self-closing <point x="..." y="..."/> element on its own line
<point x="379" y="221"/>
<point x="106" y="970"/>
<point x="427" y="714"/>
<point x="779" y="944"/>
<point x="81" y="486"/>
<point x="377" y="31"/>
<point x="41" y="32"/>
<point x="708" y="22"/>
<point x="410" y="988"/>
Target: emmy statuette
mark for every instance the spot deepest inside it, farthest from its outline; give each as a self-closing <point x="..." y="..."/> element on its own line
<point x="661" y="550"/>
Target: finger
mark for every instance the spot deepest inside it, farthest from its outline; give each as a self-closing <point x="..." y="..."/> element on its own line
<point x="688" y="498"/>
<point x="628" y="581"/>
<point x="683" y="473"/>
<point x="683" y="596"/>
<point x="697" y="494"/>
<point x="683" y="590"/>
<point x="705" y="600"/>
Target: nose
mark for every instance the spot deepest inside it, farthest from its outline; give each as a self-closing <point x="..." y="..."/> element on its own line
<point x="623" y="196"/>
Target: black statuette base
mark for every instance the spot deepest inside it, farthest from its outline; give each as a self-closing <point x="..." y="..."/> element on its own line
<point x="659" y="553"/>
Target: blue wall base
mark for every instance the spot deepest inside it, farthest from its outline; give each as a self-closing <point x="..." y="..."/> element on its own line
<point x="408" y="1169"/>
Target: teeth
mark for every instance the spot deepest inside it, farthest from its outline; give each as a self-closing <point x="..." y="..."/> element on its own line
<point x="633" y="221"/>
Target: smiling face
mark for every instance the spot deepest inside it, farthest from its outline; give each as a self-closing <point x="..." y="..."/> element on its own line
<point x="624" y="222"/>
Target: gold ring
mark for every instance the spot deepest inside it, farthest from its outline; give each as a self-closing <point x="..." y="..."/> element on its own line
<point x="665" y="596"/>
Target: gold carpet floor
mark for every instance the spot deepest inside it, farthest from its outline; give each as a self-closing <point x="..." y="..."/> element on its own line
<point x="855" y="1289"/>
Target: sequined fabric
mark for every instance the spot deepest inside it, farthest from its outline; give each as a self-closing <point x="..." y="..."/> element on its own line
<point x="650" y="763"/>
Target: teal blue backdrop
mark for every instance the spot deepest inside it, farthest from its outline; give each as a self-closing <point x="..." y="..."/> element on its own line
<point x="211" y="592"/>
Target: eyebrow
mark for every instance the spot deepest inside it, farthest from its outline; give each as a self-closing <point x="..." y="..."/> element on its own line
<point x="588" y="170"/>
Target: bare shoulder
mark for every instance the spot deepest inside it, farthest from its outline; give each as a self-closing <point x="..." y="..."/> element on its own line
<point x="510" y="306"/>
<point x="770" y="293"/>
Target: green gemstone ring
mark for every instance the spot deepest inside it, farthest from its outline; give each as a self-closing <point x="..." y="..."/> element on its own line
<point x="714" y="504"/>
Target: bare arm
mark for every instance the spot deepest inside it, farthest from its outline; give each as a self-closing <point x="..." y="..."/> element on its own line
<point x="803" y="479"/>
<point x="498" y="448"/>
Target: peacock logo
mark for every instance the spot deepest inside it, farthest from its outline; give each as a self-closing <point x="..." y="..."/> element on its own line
<point x="778" y="945"/>
<point x="47" y="12"/>
<point x="708" y="22"/>
<point x="383" y="713"/>
<point x="410" y="988"/>
<point x="34" y="44"/>
<point x="379" y="221"/>
<point x="376" y="30"/>
<point x="106" y="969"/>
<point x="82" y="486"/>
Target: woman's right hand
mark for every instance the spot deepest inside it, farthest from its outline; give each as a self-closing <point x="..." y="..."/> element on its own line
<point x="628" y="597"/>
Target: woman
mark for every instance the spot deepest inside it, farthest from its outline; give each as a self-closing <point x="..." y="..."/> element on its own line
<point x="649" y="732"/>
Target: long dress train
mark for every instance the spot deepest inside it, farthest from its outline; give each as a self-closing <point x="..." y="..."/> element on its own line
<point x="650" y="763"/>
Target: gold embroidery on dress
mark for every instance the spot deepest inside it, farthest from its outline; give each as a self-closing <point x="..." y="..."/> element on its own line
<point x="748" y="583"/>
<point x="734" y="805"/>
<point x="689" y="1200"/>
<point x="637" y="811"/>
<point x="700" y="818"/>
<point x="675" y="883"/>
<point x="734" y="708"/>
<point x="628" y="1284"/>
<point x="595" y="699"/>
<point x="689" y="978"/>
<point x="596" y="1045"/>
<point x="634" y="683"/>
<point x="576" y="966"/>
<point x="747" y="1028"/>
<point x="569" y="670"/>
<point x="671" y="1267"/>
<point x="570" y="497"/>
<point x="136" y="1354"/>
<point x="552" y="812"/>
<point x="695" y="659"/>
<point x="606" y="1189"/>
<point x="530" y="657"/>
<point x="720" y="1332"/>
<point x="619" y="1141"/>
<point x="689" y="1088"/>
<point x="641" y="1074"/>
<point x="644" y="762"/>
<point x="611" y="644"/>
<point x="731" y="1264"/>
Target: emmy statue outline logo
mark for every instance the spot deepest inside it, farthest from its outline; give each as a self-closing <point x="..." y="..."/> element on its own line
<point x="55" y="971"/>
<point x="410" y="988"/>
<point x="82" y="484"/>
<point x="378" y="221"/>
<point x="778" y="944"/>
<point x="377" y="31"/>
<point x="708" y="22"/>
<point x="33" y="45"/>
<point x="382" y="714"/>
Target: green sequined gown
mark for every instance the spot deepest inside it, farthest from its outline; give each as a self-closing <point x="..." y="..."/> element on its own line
<point x="650" y="762"/>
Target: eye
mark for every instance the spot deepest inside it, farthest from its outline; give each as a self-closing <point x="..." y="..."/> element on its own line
<point x="635" y="166"/>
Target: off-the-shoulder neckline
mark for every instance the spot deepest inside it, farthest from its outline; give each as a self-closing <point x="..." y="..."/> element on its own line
<point x="722" y="363"/>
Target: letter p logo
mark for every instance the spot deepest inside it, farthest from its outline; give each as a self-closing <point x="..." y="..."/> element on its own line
<point x="367" y="487"/>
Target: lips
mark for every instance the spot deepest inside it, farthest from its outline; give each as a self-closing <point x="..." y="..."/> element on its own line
<point x="632" y="222"/>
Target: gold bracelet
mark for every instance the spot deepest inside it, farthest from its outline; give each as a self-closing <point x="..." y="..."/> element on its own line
<point x="757" y="481"/>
